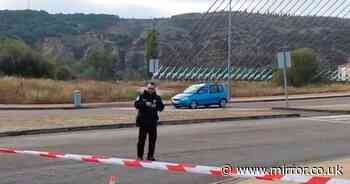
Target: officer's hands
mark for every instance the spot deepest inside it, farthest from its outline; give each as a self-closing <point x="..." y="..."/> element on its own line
<point x="149" y="104"/>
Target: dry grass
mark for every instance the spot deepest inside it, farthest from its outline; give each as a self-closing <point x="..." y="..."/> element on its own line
<point x="263" y="88"/>
<point x="251" y="89"/>
<point x="46" y="91"/>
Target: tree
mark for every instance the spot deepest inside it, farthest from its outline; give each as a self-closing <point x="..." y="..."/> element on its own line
<point x="101" y="62"/>
<point x="17" y="59"/>
<point x="151" y="51"/>
<point x="304" y="68"/>
<point x="64" y="73"/>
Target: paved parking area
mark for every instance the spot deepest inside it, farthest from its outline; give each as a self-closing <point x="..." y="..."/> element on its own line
<point x="295" y="140"/>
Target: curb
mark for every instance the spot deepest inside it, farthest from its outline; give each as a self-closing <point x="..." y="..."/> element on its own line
<point x="131" y="125"/>
<point x="44" y="108"/>
<point x="311" y="110"/>
<point x="167" y="103"/>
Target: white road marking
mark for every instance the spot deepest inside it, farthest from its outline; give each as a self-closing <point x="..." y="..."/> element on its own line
<point x="344" y="119"/>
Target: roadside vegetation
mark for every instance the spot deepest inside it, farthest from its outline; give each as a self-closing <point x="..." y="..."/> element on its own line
<point x="35" y="79"/>
<point x="103" y="63"/>
<point x="304" y="67"/>
<point x="47" y="91"/>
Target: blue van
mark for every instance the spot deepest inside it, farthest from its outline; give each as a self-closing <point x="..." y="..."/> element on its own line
<point x="204" y="94"/>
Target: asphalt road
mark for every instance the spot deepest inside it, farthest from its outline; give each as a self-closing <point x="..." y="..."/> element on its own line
<point x="294" y="103"/>
<point x="244" y="142"/>
<point x="14" y="114"/>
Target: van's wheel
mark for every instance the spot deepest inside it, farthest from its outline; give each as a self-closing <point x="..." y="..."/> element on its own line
<point x="193" y="105"/>
<point x="222" y="103"/>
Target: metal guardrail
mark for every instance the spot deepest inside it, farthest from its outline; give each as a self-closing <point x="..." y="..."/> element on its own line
<point x="221" y="73"/>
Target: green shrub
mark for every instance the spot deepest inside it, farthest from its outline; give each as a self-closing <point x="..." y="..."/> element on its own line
<point x="304" y="67"/>
<point x="102" y="62"/>
<point x="64" y="73"/>
<point x="17" y="59"/>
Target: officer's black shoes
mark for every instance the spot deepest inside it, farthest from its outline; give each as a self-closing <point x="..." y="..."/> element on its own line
<point x="139" y="158"/>
<point x="151" y="159"/>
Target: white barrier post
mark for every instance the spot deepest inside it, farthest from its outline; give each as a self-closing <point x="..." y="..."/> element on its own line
<point x="113" y="180"/>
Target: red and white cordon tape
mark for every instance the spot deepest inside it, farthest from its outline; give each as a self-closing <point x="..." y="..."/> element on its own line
<point x="174" y="167"/>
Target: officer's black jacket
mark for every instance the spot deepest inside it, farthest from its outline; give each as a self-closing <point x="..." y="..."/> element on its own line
<point x="148" y="116"/>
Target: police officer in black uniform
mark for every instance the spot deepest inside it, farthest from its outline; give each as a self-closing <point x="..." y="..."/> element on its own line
<point x="148" y="105"/>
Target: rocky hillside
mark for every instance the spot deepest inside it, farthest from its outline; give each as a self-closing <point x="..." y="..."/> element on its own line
<point x="256" y="38"/>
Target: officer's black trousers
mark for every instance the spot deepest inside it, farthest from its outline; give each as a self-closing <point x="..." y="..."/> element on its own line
<point x="152" y="137"/>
